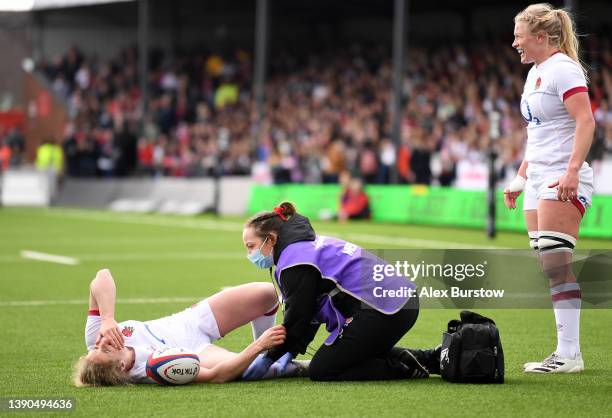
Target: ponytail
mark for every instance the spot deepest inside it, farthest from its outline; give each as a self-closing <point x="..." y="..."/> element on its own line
<point x="266" y="222"/>
<point x="568" y="41"/>
<point x="286" y="208"/>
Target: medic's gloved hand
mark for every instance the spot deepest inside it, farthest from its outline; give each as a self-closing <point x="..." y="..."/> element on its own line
<point x="258" y="368"/>
<point x="282" y="362"/>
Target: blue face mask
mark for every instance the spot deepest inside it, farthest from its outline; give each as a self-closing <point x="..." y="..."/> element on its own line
<point x="260" y="260"/>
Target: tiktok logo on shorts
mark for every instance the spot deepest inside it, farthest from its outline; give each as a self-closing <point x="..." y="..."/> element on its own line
<point x="526" y="112"/>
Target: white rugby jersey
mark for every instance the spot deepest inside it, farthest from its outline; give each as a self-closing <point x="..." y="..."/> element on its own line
<point x="138" y="335"/>
<point x="550" y="128"/>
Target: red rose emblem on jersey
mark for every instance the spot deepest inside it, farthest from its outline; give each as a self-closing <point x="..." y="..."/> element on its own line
<point x="538" y="82"/>
<point x="127" y="331"/>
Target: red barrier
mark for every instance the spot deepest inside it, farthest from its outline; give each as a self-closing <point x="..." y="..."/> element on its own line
<point x="11" y="119"/>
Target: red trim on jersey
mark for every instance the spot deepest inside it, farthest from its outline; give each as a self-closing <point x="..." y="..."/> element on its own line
<point x="579" y="205"/>
<point x="573" y="91"/>
<point x="569" y="294"/>
<point x="93" y="312"/>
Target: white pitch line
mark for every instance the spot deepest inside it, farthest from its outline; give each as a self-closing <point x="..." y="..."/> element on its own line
<point x="202" y="255"/>
<point x="154" y="256"/>
<point x="236" y="227"/>
<point x="153" y="221"/>
<point x="127" y="301"/>
<point x="51" y="258"/>
<point x="143" y="301"/>
<point x="414" y="242"/>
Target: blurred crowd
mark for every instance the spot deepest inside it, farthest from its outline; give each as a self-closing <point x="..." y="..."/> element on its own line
<point x="325" y="114"/>
<point x="12" y="148"/>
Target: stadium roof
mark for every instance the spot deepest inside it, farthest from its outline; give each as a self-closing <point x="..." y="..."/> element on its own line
<point x="353" y="7"/>
<point x="28" y="5"/>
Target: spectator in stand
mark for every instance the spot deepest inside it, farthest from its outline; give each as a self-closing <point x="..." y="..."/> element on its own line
<point x="124" y="147"/>
<point x="5" y="154"/>
<point x="354" y="203"/>
<point x="16" y="143"/>
<point x="50" y="158"/>
<point x="368" y="163"/>
<point x="334" y="162"/>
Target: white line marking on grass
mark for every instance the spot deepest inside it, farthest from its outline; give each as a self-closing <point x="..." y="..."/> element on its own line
<point x="236" y="227"/>
<point x="414" y="242"/>
<point x="152" y="256"/>
<point x="51" y="258"/>
<point x="127" y="301"/>
<point x="149" y="220"/>
<point x="202" y="255"/>
<point x="144" y="301"/>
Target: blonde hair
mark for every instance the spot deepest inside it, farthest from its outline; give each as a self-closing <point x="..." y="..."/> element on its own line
<point x="558" y="26"/>
<point x="90" y="373"/>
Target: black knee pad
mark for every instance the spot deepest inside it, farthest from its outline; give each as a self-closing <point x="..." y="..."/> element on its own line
<point x="556" y="249"/>
<point x="552" y="242"/>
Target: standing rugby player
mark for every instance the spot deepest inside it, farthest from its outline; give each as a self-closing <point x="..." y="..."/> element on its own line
<point x="557" y="181"/>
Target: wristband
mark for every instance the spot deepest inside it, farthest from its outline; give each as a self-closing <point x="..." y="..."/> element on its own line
<point x="517" y="185"/>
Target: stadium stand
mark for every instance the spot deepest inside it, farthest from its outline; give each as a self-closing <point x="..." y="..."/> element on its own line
<point x="325" y="113"/>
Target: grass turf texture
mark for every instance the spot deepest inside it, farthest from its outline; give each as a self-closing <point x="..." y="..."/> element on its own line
<point x="153" y="256"/>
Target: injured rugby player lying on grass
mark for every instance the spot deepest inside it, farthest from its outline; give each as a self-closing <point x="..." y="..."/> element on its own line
<point x="118" y="352"/>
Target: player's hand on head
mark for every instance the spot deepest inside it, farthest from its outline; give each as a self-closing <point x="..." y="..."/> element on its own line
<point x="110" y="330"/>
<point x="272" y="337"/>
<point x="104" y="344"/>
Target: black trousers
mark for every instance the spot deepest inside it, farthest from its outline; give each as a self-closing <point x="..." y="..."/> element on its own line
<point x="365" y="349"/>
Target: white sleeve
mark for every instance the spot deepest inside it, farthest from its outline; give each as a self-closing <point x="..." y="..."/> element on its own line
<point x="569" y="79"/>
<point x="92" y="328"/>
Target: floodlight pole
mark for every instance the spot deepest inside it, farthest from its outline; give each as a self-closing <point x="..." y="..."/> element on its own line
<point x="143" y="58"/>
<point x="261" y="56"/>
<point x="494" y="134"/>
<point x="399" y="46"/>
<point x="36" y="20"/>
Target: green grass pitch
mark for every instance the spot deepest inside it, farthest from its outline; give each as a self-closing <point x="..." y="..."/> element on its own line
<point x="153" y="256"/>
